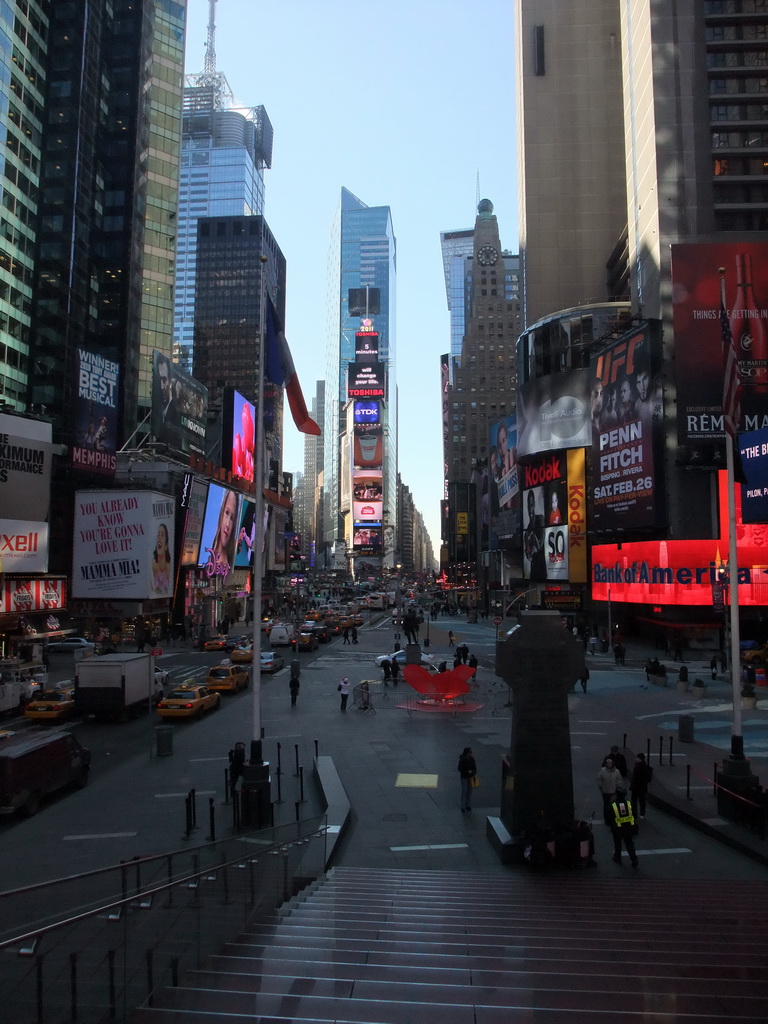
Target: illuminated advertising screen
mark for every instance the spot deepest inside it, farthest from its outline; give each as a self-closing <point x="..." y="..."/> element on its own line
<point x="179" y="407"/>
<point x="627" y="416"/>
<point x="238" y="420"/>
<point x="753" y="446"/>
<point x="554" y="518"/>
<point x="503" y="460"/>
<point x="19" y="595"/>
<point x="699" y="332"/>
<point x="366" y="346"/>
<point x="366" y="412"/>
<point x="368" y="446"/>
<point x="367" y="513"/>
<point x="366" y="380"/>
<point x="219" y="538"/>
<point x="123" y="545"/>
<point x="366" y="540"/>
<point x="194" y="497"/>
<point x="246" y="535"/>
<point x="682" y="572"/>
<point x="97" y="387"/>
<point x="553" y="413"/>
<point x="367" y="485"/>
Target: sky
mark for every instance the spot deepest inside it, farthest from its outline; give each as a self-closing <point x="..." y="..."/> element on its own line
<point x="405" y="103"/>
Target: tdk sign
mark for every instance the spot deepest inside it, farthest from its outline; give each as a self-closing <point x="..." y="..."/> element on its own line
<point x="366" y="412"/>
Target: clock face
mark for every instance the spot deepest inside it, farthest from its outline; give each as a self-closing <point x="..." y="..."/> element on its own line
<point x="487" y="255"/>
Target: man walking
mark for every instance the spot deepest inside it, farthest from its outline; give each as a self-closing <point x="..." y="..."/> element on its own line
<point x="294" y="686"/>
<point x="623" y="827"/>
<point x="609" y="780"/>
<point x="642" y="773"/>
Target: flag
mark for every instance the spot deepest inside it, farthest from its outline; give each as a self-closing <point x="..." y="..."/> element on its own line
<point x="731" y="390"/>
<point x="281" y="371"/>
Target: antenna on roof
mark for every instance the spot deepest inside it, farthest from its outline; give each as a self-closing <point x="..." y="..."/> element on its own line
<point x="209" y="64"/>
<point x="477" y="187"/>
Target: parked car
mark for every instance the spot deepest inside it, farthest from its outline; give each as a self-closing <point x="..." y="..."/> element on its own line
<point x="306" y="642"/>
<point x="188" y="702"/>
<point x="271" y="661"/>
<point x="399" y="656"/>
<point x="227" y="678"/>
<point x="71" y="643"/>
<point x="34" y="764"/>
<point x="51" y="706"/>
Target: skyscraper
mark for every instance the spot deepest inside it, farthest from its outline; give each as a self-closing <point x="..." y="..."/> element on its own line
<point x="225" y="149"/>
<point x="106" y="116"/>
<point x="361" y="270"/>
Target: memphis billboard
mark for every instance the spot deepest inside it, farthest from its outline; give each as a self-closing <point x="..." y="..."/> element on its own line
<point x="97" y="387"/>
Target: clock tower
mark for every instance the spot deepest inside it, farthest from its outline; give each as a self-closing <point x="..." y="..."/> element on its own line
<point x="483" y="381"/>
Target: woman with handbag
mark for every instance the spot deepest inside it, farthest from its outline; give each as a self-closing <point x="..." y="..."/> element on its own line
<point x="468" y="777"/>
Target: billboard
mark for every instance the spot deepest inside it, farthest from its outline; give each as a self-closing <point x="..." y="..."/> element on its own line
<point x="22" y="594"/>
<point x="683" y="572"/>
<point x="553" y="413"/>
<point x="193" y="500"/>
<point x="554" y="518"/>
<point x="123" y="545"/>
<point x="367" y="485"/>
<point x="367" y="513"/>
<point x="97" y="387"/>
<point x="179" y="406"/>
<point x="25" y="492"/>
<point x="366" y="345"/>
<point x="503" y="460"/>
<point x="218" y="543"/>
<point x="698" y="335"/>
<point x="238" y="432"/>
<point x="366" y="380"/>
<point x="366" y="412"/>
<point x="368" y="446"/>
<point x="367" y="540"/>
<point x="753" y="446"/>
<point x="627" y="416"/>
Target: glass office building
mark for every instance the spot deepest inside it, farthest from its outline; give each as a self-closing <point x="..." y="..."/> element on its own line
<point x="362" y="255"/>
<point x="225" y="150"/>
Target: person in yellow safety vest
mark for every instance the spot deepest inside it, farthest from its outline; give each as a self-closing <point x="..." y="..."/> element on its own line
<point x="623" y="827"/>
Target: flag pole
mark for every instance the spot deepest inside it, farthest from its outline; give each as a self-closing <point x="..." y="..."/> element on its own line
<point x="258" y="520"/>
<point x="731" y="417"/>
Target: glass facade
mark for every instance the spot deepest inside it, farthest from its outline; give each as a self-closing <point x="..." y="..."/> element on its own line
<point x="457" y="248"/>
<point x="565" y="340"/>
<point x="23" y="46"/>
<point x="224" y="153"/>
<point x="363" y="253"/>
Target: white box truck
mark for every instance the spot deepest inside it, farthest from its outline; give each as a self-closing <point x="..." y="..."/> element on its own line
<point x="115" y="685"/>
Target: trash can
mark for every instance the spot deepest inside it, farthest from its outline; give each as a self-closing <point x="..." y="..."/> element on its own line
<point x="164" y="740"/>
<point x="685" y="728"/>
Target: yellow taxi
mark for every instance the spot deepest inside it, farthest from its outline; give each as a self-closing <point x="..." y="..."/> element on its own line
<point x="50" y="706"/>
<point x="188" y="701"/>
<point x="226" y="678"/>
<point x="242" y="655"/>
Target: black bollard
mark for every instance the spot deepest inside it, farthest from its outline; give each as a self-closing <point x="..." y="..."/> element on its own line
<point x="317" y="748"/>
<point x="661" y="750"/>
<point x="688" y="782"/>
<point x="150" y="977"/>
<point x="193" y="798"/>
<point x="279" y="776"/>
<point x="226" y="785"/>
<point x="671" y="762"/>
<point x="279" y="761"/>
<point x="625" y="742"/>
<point x="301" y="784"/>
<point x="212" y="820"/>
<point x="648" y="750"/>
<point x="236" y="809"/>
<point x="297" y="804"/>
<point x="188" y="812"/>
<point x="296" y="749"/>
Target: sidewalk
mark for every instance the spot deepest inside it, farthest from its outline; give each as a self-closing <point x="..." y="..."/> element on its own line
<point x="398" y="767"/>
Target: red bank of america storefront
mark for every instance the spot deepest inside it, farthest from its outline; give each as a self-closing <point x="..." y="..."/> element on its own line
<point x="672" y="583"/>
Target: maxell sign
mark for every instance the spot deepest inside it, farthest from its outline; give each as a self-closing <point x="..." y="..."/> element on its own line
<point x="25" y="491"/>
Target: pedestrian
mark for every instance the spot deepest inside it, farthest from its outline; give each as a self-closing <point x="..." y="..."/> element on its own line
<point x="386" y="666"/>
<point x="343" y="689"/>
<point x="584" y="679"/>
<point x="592" y="644"/>
<point x="473" y="664"/>
<point x="467" y="772"/>
<point x="451" y="638"/>
<point x="294" y="686"/>
<point x="713" y="666"/>
<point x="608" y="781"/>
<point x="723" y="661"/>
<point x="457" y="659"/>
<point x="464" y="653"/>
<point x="354" y="634"/>
<point x="395" y="670"/>
<point x="618" y="759"/>
<point x="346" y="635"/>
<point x="623" y="827"/>
<point x="642" y="773"/>
<point x="236" y="764"/>
<point x="443" y="666"/>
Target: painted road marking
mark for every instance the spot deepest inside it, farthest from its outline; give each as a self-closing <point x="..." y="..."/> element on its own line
<point x="176" y="796"/>
<point x="442" y="846"/>
<point x="103" y="835"/>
